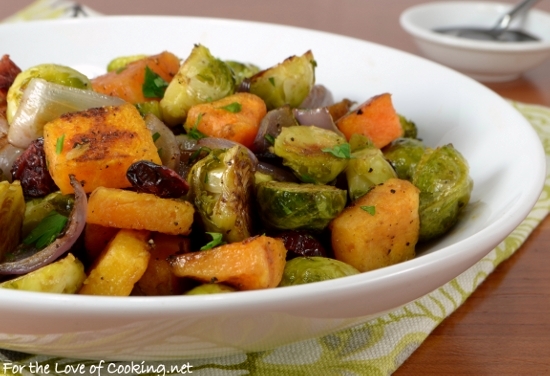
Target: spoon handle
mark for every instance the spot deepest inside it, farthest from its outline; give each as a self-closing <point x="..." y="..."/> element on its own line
<point x="504" y="22"/>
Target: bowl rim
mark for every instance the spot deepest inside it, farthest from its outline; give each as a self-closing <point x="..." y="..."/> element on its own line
<point x="418" y="31"/>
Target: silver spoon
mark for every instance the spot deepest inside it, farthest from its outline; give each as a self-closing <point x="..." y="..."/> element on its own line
<point x="499" y="32"/>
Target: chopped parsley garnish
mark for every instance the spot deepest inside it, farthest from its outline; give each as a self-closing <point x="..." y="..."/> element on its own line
<point x="272" y="81"/>
<point x="59" y="144"/>
<point x="156" y="136"/>
<point x="47" y="230"/>
<point x="234" y="107"/>
<point x="154" y="85"/>
<point x="270" y="139"/>
<point x="216" y="241"/>
<point x="369" y="209"/>
<point x="340" y="151"/>
<point x="194" y="132"/>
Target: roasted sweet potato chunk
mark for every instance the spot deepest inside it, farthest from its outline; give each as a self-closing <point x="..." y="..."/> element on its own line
<point x="119" y="208"/>
<point x="255" y="263"/>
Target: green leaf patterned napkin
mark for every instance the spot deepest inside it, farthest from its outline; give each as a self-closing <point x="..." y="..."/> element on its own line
<point x="377" y="347"/>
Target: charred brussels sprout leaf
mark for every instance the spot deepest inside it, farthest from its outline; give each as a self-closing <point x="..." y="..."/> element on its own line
<point x="37" y="209"/>
<point x="220" y="186"/>
<point x="293" y="206"/>
<point x="409" y="127"/>
<point x="286" y="83"/>
<point x="242" y="70"/>
<point x="404" y="154"/>
<point x="301" y="270"/>
<point x="58" y="74"/>
<point x="442" y="175"/>
<point x="201" y="78"/>
<point x="302" y="149"/>
<point x="12" y="209"/>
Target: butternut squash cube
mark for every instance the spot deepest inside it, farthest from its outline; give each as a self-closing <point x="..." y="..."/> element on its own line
<point x="380" y="228"/>
<point x="119" y="208"/>
<point x="97" y="146"/>
<point x="254" y="263"/>
<point x="120" y="265"/>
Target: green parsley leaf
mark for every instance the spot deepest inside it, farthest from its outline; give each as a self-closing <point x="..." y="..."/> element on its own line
<point x="339" y="151"/>
<point x="47" y="230"/>
<point x="272" y="81"/>
<point x="154" y="85"/>
<point x="307" y="178"/>
<point x="270" y="138"/>
<point x="216" y="240"/>
<point x="234" y="107"/>
<point x="156" y="136"/>
<point x="59" y="144"/>
<point x="194" y="133"/>
<point x="369" y="209"/>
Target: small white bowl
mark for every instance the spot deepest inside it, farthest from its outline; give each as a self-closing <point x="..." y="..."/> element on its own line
<point x="485" y="61"/>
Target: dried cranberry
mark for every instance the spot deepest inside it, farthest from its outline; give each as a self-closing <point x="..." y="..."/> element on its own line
<point x="31" y="170"/>
<point x="148" y="177"/>
<point x="301" y="243"/>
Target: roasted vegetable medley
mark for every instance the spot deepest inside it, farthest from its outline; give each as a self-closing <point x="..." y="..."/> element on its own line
<point x="191" y="175"/>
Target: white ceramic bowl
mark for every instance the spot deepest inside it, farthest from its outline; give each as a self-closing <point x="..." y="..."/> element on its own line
<point x="506" y="159"/>
<point x="483" y="60"/>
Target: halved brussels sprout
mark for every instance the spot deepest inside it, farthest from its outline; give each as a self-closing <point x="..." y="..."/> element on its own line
<point x="286" y="83"/>
<point x="36" y="209"/>
<point x="63" y="276"/>
<point x="220" y="187"/>
<point x="301" y="270"/>
<point x="201" y="78"/>
<point x="442" y="175"/>
<point x="293" y="206"/>
<point x="404" y="154"/>
<point x="308" y="151"/>
<point x="12" y="210"/>
<point x="409" y="127"/>
<point x="55" y="73"/>
<point x="366" y="168"/>
<point x="119" y="63"/>
<point x="210" y="288"/>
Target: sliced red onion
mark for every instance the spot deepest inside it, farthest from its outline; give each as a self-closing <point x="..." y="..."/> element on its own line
<point x="278" y="173"/>
<point x="271" y="126"/>
<point x="166" y="143"/>
<point x="73" y="229"/>
<point x="222" y="143"/>
<point x="319" y="117"/>
<point x="319" y="96"/>
<point x="8" y="155"/>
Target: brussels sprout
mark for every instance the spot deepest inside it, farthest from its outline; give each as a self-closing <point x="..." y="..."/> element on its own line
<point x="58" y="74"/>
<point x="64" y="276"/>
<point x="220" y="188"/>
<point x="36" y="209"/>
<point x="210" y="288"/>
<point x="403" y="154"/>
<point x="293" y="206"/>
<point x="146" y="108"/>
<point x="286" y="83"/>
<point x="409" y="127"/>
<point x="119" y="63"/>
<point x="442" y="175"/>
<point x="301" y="270"/>
<point x="242" y="70"/>
<point x="12" y="210"/>
<point x="367" y="168"/>
<point x="201" y="78"/>
<point x="311" y="152"/>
